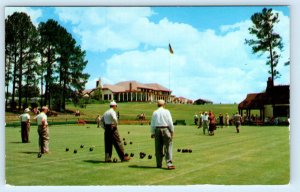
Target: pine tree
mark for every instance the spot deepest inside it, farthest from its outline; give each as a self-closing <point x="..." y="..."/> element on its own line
<point x="267" y="41"/>
<point x="20" y="45"/>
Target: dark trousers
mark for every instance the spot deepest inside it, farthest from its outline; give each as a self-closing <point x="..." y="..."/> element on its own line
<point x="25" y="132"/>
<point x="112" y="138"/>
<point x="163" y="146"/>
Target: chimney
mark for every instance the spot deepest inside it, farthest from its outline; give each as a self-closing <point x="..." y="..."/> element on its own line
<point x="270" y="83"/>
<point x="99" y="83"/>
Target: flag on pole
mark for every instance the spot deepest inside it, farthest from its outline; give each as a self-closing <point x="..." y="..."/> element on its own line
<point x="170" y="49"/>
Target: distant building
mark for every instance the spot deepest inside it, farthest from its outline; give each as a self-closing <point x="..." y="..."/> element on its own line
<point x="202" y="102"/>
<point x="274" y="102"/>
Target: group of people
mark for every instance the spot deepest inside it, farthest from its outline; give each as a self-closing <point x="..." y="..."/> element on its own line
<point x="208" y="121"/>
<point x="161" y="128"/>
<point x="43" y="130"/>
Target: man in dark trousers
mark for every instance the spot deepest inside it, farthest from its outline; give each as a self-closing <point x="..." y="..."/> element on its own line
<point x="162" y="129"/>
<point x="25" y="126"/>
<point x="111" y="134"/>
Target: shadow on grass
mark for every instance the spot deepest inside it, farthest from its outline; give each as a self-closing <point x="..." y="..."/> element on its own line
<point x="30" y="152"/>
<point x="144" y="167"/>
<point x="16" y="142"/>
<point x="94" y="161"/>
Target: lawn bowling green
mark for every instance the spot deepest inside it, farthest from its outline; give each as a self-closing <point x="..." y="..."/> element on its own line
<point x="258" y="155"/>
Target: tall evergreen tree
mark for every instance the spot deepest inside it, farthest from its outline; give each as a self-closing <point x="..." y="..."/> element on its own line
<point x="20" y="49"/>
<point x="8" y="58"/>
<point x="267" y="41"/>
<point x="48" y="47"/>
<point x="48" y="55"/>
<point x="78" y="64"/>
<point x="66" y="46"/>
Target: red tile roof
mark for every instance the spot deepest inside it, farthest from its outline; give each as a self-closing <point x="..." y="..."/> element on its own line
<point x="124" y="86"/>
<point x="277" y="95"/>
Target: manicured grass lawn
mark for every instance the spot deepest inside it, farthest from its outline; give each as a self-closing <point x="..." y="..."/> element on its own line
<point x="129" y="111"/>
<point x="258" y="155"/>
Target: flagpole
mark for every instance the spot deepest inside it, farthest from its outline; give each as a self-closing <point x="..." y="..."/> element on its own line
<point x="169" y="72"/>
<point x="170" y="53"/>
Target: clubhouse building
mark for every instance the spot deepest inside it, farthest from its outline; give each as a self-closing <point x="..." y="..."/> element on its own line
<point x="131" y="91"/>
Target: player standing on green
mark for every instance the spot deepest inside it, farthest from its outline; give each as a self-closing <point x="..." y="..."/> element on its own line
<point x="162" y="129"/>
<point x="111" y="134"/>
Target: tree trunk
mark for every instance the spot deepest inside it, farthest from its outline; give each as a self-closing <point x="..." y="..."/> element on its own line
<point x="14" y="80"/>
<point x="20" y="76"/>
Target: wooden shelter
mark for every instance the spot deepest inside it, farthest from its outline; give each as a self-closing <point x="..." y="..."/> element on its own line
<point x="274" y="102"/>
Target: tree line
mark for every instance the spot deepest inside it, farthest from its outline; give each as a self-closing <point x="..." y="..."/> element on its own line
<point x="43" y="62"/>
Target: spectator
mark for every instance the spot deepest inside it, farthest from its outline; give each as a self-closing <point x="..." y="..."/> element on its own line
<point x="226" y="120"/>
<point x="205" y="122"/>
<point x="212" y="123"/>
<point x="98" y="120"/>
<point x="221" y="120"/>
<point x="237" y="121"/>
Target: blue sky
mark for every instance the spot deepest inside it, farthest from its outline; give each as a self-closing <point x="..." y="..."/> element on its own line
<point x="210" y="59"/>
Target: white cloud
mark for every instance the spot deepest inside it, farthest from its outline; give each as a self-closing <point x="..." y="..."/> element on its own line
<point x="106" y="28"/>
<point x="206" y="64"/>
<point x="33" y="13"/>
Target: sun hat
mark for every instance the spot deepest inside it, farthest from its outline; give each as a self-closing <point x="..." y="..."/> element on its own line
<point x="113" y="103"/>
<point x="160" y="102"/>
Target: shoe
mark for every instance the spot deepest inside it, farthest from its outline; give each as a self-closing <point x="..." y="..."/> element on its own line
<point x="171" y="167"/>
<point x="126" y="158"/>
<point x="108" y="161"/>
<point x="158" y="166"/>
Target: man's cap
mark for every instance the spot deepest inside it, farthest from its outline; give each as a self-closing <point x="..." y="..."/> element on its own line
<point x="26" y="110"/>
<point x="113" y="103"/>
<point x="44" y="108"/>
<point x="161" y="102"/>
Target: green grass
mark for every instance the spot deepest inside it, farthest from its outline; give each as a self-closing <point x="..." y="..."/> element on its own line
<point x="129" y="111"/>
<point x="258" y="155"/>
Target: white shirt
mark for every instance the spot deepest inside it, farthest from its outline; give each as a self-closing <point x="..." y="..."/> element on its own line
<point x="40" y="118"/>
<point x="110" y="117"/>
<point x="24" y="117"/>
<point x="204" y="117"/>
<point x="161" y="117"/>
